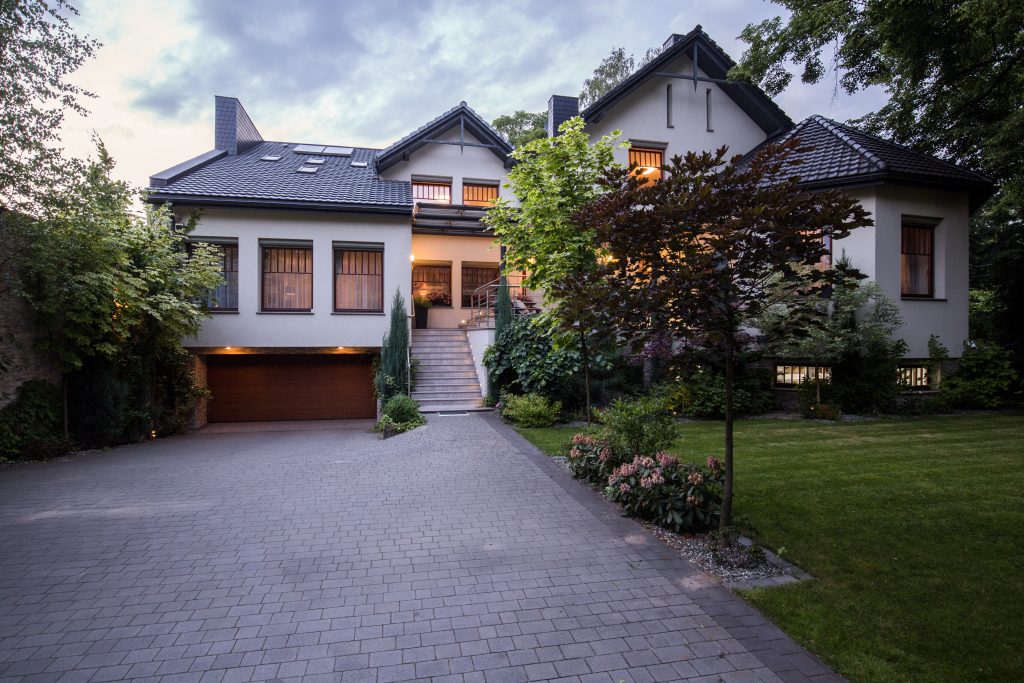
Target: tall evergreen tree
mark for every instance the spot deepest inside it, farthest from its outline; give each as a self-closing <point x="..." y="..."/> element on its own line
<point x="393" y="371"/>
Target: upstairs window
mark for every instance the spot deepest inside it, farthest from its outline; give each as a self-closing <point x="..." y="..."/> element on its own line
<point x="474" y="276"/>
<point x="648" y="163"/>
<point x="359" y="279"/>
<point x="433" y="282"/>
<point x="431" y="192"/>
<point x="287" y="278"/>
<point x="224" y="298"/>
<point x="479" y="194"/>
<point x="917" y="259"/>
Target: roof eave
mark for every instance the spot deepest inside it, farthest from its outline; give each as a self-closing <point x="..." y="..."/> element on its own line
<point x="291" y="205"/>
<point x="978" y="192"/>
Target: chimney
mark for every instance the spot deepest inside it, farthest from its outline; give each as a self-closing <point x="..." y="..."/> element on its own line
<point x="234" y="131"/>
<point x="561" y="108"/>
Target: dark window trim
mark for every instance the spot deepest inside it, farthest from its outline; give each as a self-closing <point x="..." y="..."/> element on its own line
<point x="349" y="246"/>
<point x="286" y="244"/>
<point x="929" y="224"/>
<point x="220" y="242"/>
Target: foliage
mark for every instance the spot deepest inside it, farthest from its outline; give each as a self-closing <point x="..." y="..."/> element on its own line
<point x="984" y="377"/>
<point x="530" y="410"/>
<point x="553" y="179"/>
<point x="701" y="252"/>
<point x="393" y="370"/>
<point x="438" y="298"/>
<point x="641" y="426"/>
<point x="399" y="414"/>
<point x="38" y="51"/>
<point x="683" y="498"/>
<point x="954" y="78"/>
<point x="522" y="126"/>
<point x="985" y="311"/>
<point x="523" y="359"/>
<point x="701" y="395"/>
<point x="612" y="70"/>
<point x="590" y="459"/>
<point x="30" y="425"/>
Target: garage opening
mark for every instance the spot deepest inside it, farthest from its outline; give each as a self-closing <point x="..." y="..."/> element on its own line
<point x="257" y="388"/>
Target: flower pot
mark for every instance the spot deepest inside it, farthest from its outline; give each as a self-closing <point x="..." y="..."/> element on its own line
<point x="421" y="317"/>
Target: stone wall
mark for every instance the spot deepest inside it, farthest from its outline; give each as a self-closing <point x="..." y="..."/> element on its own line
<point x="18" y="345"/>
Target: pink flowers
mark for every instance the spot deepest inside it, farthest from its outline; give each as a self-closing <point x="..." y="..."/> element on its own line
<point x="714" y="464"/>
<point x="583" y="440"/>
<point x="696" y="478"/>
<point x="666" y="459"/>
<point x="652" y="479"/>
<point x="625" y="488"/>
<point x="604" y="454"/>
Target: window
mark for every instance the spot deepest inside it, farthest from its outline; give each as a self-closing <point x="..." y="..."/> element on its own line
<point x="478" y="194"/>
<point x="474" y="276"/>
<point x="917" y="260"/>
<point x="914" y="377"/>
<point x="668" y="106"/>
<point x="287" y="278"/>
<point x="433" y="282"/>
<point x="707" y="110"/>
<point x="359" y="278"/>
<point x="225" y="296"/>
<point x="431" y="192"/>
<point x="648" y="162"/>
<point x="790" y="376"/>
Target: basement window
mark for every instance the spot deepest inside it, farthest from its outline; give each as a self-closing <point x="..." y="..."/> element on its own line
<point x="914" y="377"/>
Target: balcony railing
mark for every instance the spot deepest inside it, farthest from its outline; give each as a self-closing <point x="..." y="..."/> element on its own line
<point x="485" y="298"/>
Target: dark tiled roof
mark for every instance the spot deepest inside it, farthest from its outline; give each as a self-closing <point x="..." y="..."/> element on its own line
<point x="244" y="178"/>
<point x="473" y="122"/>
<point x="841" y="155"/>
<point x="714" y="62"/>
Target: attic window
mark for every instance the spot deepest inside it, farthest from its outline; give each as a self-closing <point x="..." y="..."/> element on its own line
<point x="271" y="157"/>
<point x="359" y="164"/>
<point x="306" y="169"/>
<point x="337" y="151"/>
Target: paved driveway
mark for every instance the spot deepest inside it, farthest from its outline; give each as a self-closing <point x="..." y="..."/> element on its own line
<point x="454" y="552"/>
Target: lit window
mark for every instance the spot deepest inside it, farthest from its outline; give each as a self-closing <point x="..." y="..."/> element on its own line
<point x="287" y="279"/>
<point x="648" y="163"/>
<point x="432" y="193"/>
<point x="914" y="377"/>
<point x="793" y="375"/>
<point x="433" y="282"/>
<point x="474" y="277"/>
<point x="359" y="279"/>
<point x="917" y="260"/>
<point x="475" y="194"/>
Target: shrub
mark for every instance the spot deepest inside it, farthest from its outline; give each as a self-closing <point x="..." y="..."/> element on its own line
<point x="589" y="459"/>
<point x="984" y="377"/>
<point x="702" y="395"/>
<point x="400" y="414"/>
<point x="679" y="497"/>
<point x="641" y="426"/>
<point x="523" y="359"/>
<point x="531" y="410"/>
<point x="31" y="425"/>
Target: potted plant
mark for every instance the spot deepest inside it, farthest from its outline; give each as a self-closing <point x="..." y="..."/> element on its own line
<point x="421" y="304"/>
<point x="442" y="299"/>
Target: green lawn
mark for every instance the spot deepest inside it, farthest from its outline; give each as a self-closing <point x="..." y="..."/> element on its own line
<point x="914" y="529"/>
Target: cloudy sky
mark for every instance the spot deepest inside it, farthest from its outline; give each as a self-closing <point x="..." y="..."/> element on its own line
<point x="364" y="73"/>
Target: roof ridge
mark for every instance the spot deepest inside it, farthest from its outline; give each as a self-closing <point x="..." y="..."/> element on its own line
<point x="842" y="132"/>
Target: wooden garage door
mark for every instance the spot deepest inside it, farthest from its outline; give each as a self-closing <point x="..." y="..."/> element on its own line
<point x="247" y="388"/>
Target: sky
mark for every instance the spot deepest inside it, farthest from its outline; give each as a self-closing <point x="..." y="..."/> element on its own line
<point x="365" y="73"/>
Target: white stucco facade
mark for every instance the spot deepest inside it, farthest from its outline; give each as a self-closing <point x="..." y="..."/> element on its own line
<point x="322" y="328"/>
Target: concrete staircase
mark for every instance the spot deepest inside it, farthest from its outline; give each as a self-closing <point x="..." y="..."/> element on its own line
<point x="446" y="379"/>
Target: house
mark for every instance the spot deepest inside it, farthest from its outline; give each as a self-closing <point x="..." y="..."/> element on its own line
<point x="316" y="238"/>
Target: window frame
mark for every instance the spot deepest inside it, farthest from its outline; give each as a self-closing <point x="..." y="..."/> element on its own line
<point x="434" y="182"/>
<point x="808" y="371"/>
<point x="463" y="294"/>
<point x="929" y="226"/>
<point x="481" y="184"/>
<point x="341" y="248"/>
<point x="221" y="243"/>
<point x="298" y="245"/>
<point x="912" y="369"/>
<point x="434" y="264"/>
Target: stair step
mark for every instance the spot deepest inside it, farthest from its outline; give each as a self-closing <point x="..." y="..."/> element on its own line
<point x="450" y="392"/>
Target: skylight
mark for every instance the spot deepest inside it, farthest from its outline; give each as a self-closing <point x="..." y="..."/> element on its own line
<point x="322" y="149"/>
<point x="307" y="169"/>
<point x="338" y="151"/>
<point x="316" y="160"/>
<point x="308" y="149"/>
<point x="271" y="157"/>
<point x="359" y="164"/>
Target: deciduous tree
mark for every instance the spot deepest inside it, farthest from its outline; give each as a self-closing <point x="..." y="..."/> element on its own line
<point x="522" y="126"/>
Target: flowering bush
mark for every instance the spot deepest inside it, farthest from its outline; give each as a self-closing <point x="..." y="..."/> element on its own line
<point x="641" y="426"/>
<point x="679" y="497"/>
<point x="437" y="298"/>
<point x="590" y="458"/>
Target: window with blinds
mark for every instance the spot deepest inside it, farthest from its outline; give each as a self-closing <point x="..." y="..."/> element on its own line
<point x="475" y="194"/>
<point x="474" y="276"/>
<point x="917" y="260"/>
<point x="287" y="279"/>
<point x="789" y="376"/>
<point x="225" y="296"/>
<point x="433" y="282"/>
<point x="914" y="377"/>
<point x="431" y="193"/>
<point x="648" y="163"/>
<point x="358" y="280"/>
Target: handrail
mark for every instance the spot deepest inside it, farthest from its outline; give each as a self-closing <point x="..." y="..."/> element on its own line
<point x="485" y="298"/>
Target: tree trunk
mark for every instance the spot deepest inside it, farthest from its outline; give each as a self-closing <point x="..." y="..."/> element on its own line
<point x="64" y="388"/>
<point x="726" y="518"/>
<point x="586" y="373"/>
